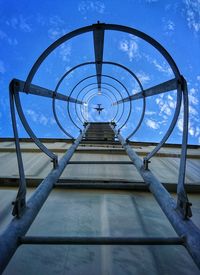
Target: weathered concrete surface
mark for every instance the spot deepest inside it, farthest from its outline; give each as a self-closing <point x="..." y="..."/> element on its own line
<point x="100" y="213"/>
<point x="37" y="165"/>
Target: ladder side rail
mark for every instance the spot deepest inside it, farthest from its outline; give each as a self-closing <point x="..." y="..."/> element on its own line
<point x="184" y="227"/>
<point x="17" y="228"/>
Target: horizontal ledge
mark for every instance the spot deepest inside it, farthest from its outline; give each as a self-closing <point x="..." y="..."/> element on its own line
<point x="36" y="240"/>
<point x="100" y="150"/>
<point x="101" y="162"/>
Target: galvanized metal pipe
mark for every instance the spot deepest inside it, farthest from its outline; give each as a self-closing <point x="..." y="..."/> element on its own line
<point x="56" y="240"/>
<point x="9" y="239"/>
<point x="183" y="227"/>
<point x="20" y="201"/>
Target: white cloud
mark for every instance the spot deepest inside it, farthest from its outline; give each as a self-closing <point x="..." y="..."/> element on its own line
<point x="143" y="77"/>
<point x="161" y="67"/>
<point x="65" y="52"/>
<point x="192" y="95"/>
<point x="194" y="118"/>
<point x="130" y="47"/>
<point x="192" y="10"/>
<point x="135" y="91"/>
<point x="19" y="23"/>
<point x="24" y="26"/>
<point x="40" y="118"/>
<point x="2" y="67"/>
<point x="91" y="6"/>
<point x="150" y="113"/>
<point x="32" y="114"/>
<point x="164" y="68"/>
<point x="43" y="120"/>
<point x="5" y="37"/>
<point x="166" y="104"/>
<point x="152" y="123"/>
<point x="169" y="26"/>
<point x="180" y="124"/>
<point x="57" y="27"/>
<point x="165" y="109"/>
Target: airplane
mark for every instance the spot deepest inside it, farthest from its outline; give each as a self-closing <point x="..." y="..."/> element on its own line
<point x="99" y="109"/>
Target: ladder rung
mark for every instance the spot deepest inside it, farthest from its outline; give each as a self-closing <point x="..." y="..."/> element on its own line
<point x="101" y="162"/>
<point x="56" y="240"/>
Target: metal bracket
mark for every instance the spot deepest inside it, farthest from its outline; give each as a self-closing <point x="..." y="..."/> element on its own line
<point x="19" y="207"/>
<point x="146" y="162"/>
<point x="184" y="207"/>
<point x="113" y="123"/>
<point x="85" y="123"/>
<point x="55" y="162"/>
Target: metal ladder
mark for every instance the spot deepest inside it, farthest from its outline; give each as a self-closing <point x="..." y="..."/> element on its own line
<point x="15" y="234"/>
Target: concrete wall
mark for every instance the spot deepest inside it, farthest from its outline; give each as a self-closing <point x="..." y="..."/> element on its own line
<point x="101" y="213"/>
<point x="70" y="212"/>
<point x="165" y="165"/>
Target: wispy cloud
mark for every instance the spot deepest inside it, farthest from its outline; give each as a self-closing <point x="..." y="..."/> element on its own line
<point x="150" y="113"/>
<point x="2" y="67"/>
<point x="19" y="23"/>
<point x="194" y="119"/>
<point x="143" y="77"/>
<point x="91" y="6"/>
<point x="192" y="10"/>
<point x="193" y="96"/>
<point x="57" y="27"/>
<point x="130" y="47"/>
<point x="166" y="104"/>
<point x="169" y="26"/>
<point x="162" y="67"/>
<point x="152" y="124"/>
<point x="9" y="40"/>
<point x="65" y="52"/>
<point x="40" y="118"/>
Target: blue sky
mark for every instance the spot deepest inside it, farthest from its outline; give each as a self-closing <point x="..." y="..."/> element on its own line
<point x="27" y="28"/>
